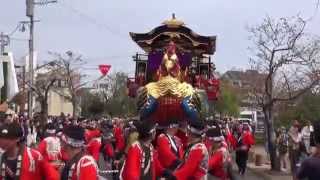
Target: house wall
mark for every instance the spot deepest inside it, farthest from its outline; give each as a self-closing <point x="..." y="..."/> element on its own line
<point x="58" y="104"/>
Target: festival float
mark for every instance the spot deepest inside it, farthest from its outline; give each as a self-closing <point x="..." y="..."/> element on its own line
<point x="176" y="65"/>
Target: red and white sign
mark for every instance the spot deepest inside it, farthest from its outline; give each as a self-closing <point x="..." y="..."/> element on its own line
<point x="104" y="69"/>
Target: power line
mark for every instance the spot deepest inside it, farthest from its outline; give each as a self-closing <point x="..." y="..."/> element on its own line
<point x="18" y="39"/>
<point x="317" y="8"/>
<point x="315" y="12"/>
<point x="93" y="20"/>
<point x="15" y="29"/>
<point x="45" y="2"/>
<point x="90" y="68"/>
<point x="108" y="57"/>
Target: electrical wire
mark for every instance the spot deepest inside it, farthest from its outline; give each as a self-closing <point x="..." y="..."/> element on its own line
<point x="15" y="29"/>
<point x="89" y="68"/>
<point x="93" y="20"/>
<point x="107" y="58"/>
<point x="45" y="2"/>
<point x="315" y="12"/>
<point x="317" y="8"/>
<point x="18" y="39"/>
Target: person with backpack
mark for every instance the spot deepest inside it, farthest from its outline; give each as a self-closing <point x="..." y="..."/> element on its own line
<point x="283" y="144"/>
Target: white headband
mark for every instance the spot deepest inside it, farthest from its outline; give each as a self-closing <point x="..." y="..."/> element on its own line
<point x="216" y="139"/>
<point x="173" y="125"/>
<point x="72" y="142"/>
<point x="195" y="131"/>
<point x="51" y="131"/>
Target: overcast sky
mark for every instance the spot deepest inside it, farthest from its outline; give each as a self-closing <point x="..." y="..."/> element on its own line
<point x="98" y="29"/>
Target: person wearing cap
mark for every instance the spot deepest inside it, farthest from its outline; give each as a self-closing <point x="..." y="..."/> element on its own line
<point x="19" y="161"/>
<point x="50" y="147"/>
<point x="224" y="142"/>
<point x="220" y="159"/>
<point x="245" y="141"/>
<point x="169" y="147"/>
<point x="195" y="160"/>
<point x="209" y="125"/>
<point x="79" y="166"/>
<point x="141" y="161"/>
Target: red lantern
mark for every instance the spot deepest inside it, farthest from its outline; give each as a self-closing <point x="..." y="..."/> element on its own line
<point x="104" y="69"/>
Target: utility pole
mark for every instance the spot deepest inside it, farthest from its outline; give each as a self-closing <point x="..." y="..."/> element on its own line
<point x="30" y="4"/>
<point x="30" y="14"/>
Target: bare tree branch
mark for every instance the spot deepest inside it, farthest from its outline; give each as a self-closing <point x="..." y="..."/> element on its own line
<point x="291" y="60"/>
<point x="69" y="64"/>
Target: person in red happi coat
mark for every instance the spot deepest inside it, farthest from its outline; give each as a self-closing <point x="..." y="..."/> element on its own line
<point x="108" y="147"/>
<point x="80" y="166"/>
<point x="50" y="147"/>
<point x="19" y="161"/>
<point x="248" y="138"/>
<point x="245" y="142"/>
<point x="169" y="147"/>
<point x="195" y="161"/>
<point x="141" y="160"/>
<point x="220" y="159"/>
<point x="230" y="139"/>
<point x="93" y="138"/>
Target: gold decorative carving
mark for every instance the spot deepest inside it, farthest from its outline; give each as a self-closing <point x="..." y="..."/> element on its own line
<point x="173" y="23"/>
<point x="169" y="86"/>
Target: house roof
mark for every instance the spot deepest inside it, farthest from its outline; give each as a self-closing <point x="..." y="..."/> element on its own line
<point x="175" y="30"/>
